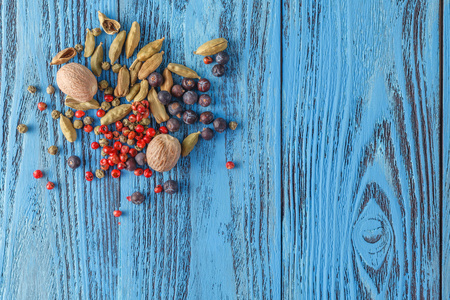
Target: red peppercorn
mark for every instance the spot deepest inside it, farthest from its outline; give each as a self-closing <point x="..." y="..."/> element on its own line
<point x="37" y="174"/>
<point x="150" y="132"/>
<point x="119" y="125"/>
<point x="139" y="118"/>
<point x="229" y="165"/>
<point x="145" y="114"/>
<point x="103" y="162"/>
<point x="123" y="157"/>
<point x="129" y="198"/>
<point x="117" y="213"/>
<point x="100" y="113"/>
<point x="115" y="159"/>
<point x="148" y="173"/>
<point x="139" y="136"/>
<point x="163" y="129"/>
<point x="139" y="128"/>
<point x="133" y="152"/>
<point x="132" y="118"/>
<point x="105" y="167"/>
<point x="138" y="172"/>
<point x="145" y="103"/>
<point x="124" y="149"/>
<point x="116" y="135"/>
<point x="108" y="149"/>
<point x="115" y="173"/>
<point x="88" y="128"/>
<point x="109" y="135"/>
<point x="121" y="166"/>
<point x="158" y="189"/>
<point x="146" y="139"/>
<point x="207" y="60"/>
<point x="50" y="185"/>
<point x="110" y="162"/>
<point x="104" y="129"/>
<point x="126" y="131"/>
<point x="89" y="176"/>
<point x="79" y="114"/>
<point x="95" y="145"/>
<point x="140" y="143"/>
<point x="134" y="106"/>
<point x="131" y="135"/>
<point x="141" y="109"/>
<point x="117" y="145"/>
<point x="42" y="106"/>
<point x="108" y="98"/>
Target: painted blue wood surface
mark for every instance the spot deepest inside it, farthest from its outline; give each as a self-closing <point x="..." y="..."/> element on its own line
<point x="336" y="193"/>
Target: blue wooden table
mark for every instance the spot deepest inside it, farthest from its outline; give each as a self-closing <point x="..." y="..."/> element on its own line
<point x="342" y="180"/>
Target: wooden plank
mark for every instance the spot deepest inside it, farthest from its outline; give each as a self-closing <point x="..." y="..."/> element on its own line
<point x="62" y="243"/>
<point x="446" y="152"/>
<point x="360" y="115"/>
<point x="218" y="238"/>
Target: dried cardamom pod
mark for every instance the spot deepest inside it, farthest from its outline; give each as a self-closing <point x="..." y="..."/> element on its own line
<point x="134" y="70"/>
<point x="116" y="46"/>
<point x="182" y="71"/>
<point x="96" y="60"/>
<point x="89" y="44"/>
<point x="109" y="26"/>
<point x="168" y="81"/>
<point x="64" y="56"/>
<point x="150" y="65"/>
<point x="143" y="91"/>
<point x="150" y="49"/>
<point x="134" y="90"/>
<point x="75" y="104"/>
<point x="157" y="108"/>
<point x="212" y="47"/>
<point x="189" y="143"/>
<point x="123" y="82"/>
<point x="67" y="129"/>
<point x="116" y="114"/>
<point x="132" y="39"/>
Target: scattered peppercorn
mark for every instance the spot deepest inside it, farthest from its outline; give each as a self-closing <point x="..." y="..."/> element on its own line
<point x="131" y="164"/>
<point x="220" y="125"/>
<point x="95" y="145"/>
<point x="88" y="120"/>
<point x="115" y="173"/>
<point x="55" y="114"/>
<point x="145" y="122"/>
<point x="204" y="100"/>
<point x="88" y="128"/>
<point x="222" y="58"/>
<point x="206" y="117"/>
<point x="155" y="79"/>
<point x="69" y="113"/>
<point x="123" y="139"/>
<point x="170" y="187"/>
<point x="229" y="165"/>
<point x="164" y="97"/>
<point x="103" y="142"/>
<point x="106" y="66"/>
<point x="233" y="125"/>
<point x="117" y="213"/>
<point x="163" y="130"/>
<point x="50" y="185"/>
<point x="207" y="60"/>
<point x="173" y="125"/>
<point x="207" y="134"/>
<point x="96" y="31"/>
<point x="175" y="109"/>
<point x="37" y="174"/>
<point x="108" y="98"/>
<point x="188" y="84"/>
<point x="177" y="91"/>
<point x="105" y="105"/>
<point x="137" y="147"/>
<point x="190" y="117"/>
<point x="115" y="102"/>
<point x="131" y="142"/>
<point x="42" y="106"/>
<point x="138" y="172"/>
<point x="158" y="189"/>
<point x="31" y="89"/>
<point x="218" y="70"/>
<point x="203" y="85"/>
<point x="137" y="198"/>
<point x="141" y="159"/>
<point x="109" y="90"/>
<point x="50" y="89"/>
<point x="99" y="173"/>
<point x="52" y="150"/>
<point x="116" y="68"/>
<point x="190" y="97"/>
<point x="77" y="124"/>
<point x="22" y="128"/>
<point x="78" y="48"/>
<point x="103" y="85"/>
<point x="73" y="162"/>
<point x="148" y="173"/>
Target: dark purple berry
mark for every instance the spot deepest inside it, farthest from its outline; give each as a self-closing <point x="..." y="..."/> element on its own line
<point x="170" y="187"/>
<point x="173" y="125"/>
<point x="222" y="58"/>
<point x="131" y="164"/>
<point x="204" y="100"/>
<point x="137" y="198"/>
<point x="206" y="117"/>
<point x="188" y="84"/>
<point x="218" y="70"/>
<point x="155" y="79"/>
<point x="190" y="117"/>
<point x="207" y="134"/>
<point x="175" y="109"/>
<point x="141" y="159"/>
<point x="190" y="97"/>
<point x="220" y="125"/>
<point x="74" y="162"/>
<point x="164" y="97"/>
<point x="177" y="91"/>
<point x="203" y="85"/>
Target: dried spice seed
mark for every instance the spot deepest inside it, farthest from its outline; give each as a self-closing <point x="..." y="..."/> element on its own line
<point x="207" y="134"/>
<point x="203" y="85"/>
<point x="99" y="173"/>
<point x="96" y="31"/>
<point x="64" y="56"/>
<point x="103" y="85"/>
<point x="97" y="130"/>
<point x="106" y="66"/>
<point x="109" y="90"/>
<point x="115" y="49"/>
<point x="218" y="70"/>
<point x="158" y="110"/>
<point x="52" y="150"/>
<point x="150" y="65"/>
<point x="77" y="124"/>
<point x="133" y="39"/>
<point x="229" y="165"/>
<point x="37" y="174"/>
<point x="115" y="102"/>
<point x="175" y="109"/>
<point x="22" y="128"/>
<point x="150" y="49"/>
<point x="103" y="142"/>
<point x="207" y="60"/>
<point x="50" y="185"/>
<point x="31" y="89"/>
<point x="78" y="48"/>
<point x="116" y="68"/>
<point x="134" y="90"/>
<point x="89" y="176"/>
<point x="220" y="125"/>
<point x="89" y="44"/>
<point x="155" y="79"/>
<point x="117" y="213"/>
<point x="158" y="189"/>
<point x="55" y="114"/>
<point x="116" y="114"/>
<point x="137" y="198"/>
<point x="109" y="26"/>
<point x="222" y="58"/>
<point x="168" y="80"/>
<point x="69" y="113"/>
<point x="50" y="90"/>
<point x="182" y="71"/>
<point x="72" y="103"/>
<point x="123" y="83"/>
<point x="143" y="91"/>
<point x="88" y="120"/>
<point x="105" y="106"/>
<point x="206" y="117"/>
<point x="73" y="162"/>
<point x="97" y="60"/>
<point x="170" y="187"/>
<point x="188" y="84"/>
<point x="42" y="106"/>
<point x="67" y="129"/>
<point x="232" y="125"/>
<point x="204" y="100"/>
<point x="189" y="143"/>
<point x="212" y="47"/>
<point x="134" y="71"/>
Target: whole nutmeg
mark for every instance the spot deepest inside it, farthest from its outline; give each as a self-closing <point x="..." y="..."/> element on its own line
<point x="163" y="152"/>
<point x="77" y="81"/>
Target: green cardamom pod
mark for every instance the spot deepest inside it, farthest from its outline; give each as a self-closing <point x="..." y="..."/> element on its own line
<point x="75" y="104"/>
<point x="96" y="60"/>
<point x="133" y="92"/>
<point x="116" y="114"/>
<point x="109" y="26"/>
<point x="150" y="65"/>
<point x="123" y="82"/>
<point x="134" y="70"/>
<point x="189" y="143"/>
<point x="168" y="81"/>
<point x="64" y="56"/>
<point x="132" y="39"/>
<point x="89" y="44"/>
<point x="67" y="129"/>
<point x="212" y="47"/>
<point x="143" y="91"/>
<point x="150" y="49"/>
<point x="157" y="108"/>
<point x="116" y="46"/>
<point x="182" y="71"/>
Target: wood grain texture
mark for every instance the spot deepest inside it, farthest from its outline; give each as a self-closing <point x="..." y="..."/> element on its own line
<point x="361" y="165"/>
<point x="446" y="152"/>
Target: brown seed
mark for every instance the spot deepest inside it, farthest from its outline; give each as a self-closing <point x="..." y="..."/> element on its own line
<point x="64" y="56"/>
<point x="105" y="106"/>
<point x="31" y="89"/>
<point x="96" y="31"/>
<point x="103" y="85"/>
<point x="67" y="129"/>
<point x="97" y="130"/>
<point x="50" y="90"/>
<point x="134" y="90"/>
<point x="69" y="113"/>
<point x="132" y="39"/>
<point x="109" y="26"/>
<point x="106" y="65"/>
<point x="52" y="150"/>
<point x="163" y="152"/>
<point x="99" y="173"/>
<point x="77" y="124"/>
<point x="168" y="81"/>
<point x="55" y="114"/>
<point x="116" y="68"/>
<point x="233" y="125"/>
<point x="78" y="47"/>
<point x="22" y="128"/>
<point x="103" y="142"/>
<point x="109" y="90"/>
<point x="88" y="120"/>
<point x="150" y="65"/>
<point x="150" y="49"/>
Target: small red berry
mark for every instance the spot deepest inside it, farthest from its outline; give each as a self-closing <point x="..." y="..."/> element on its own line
<point x="207" y="60"/>
<point x="118" y="223"/>
<point x="141" y="144"/>
<point x="132" y="135"/>
<point x="115" y="159"/>
<point x="145" y="103"/>
<point x="50" y="185"/>
<point x="108" y="149"/>
<point x="100" y="113"/>
<point x="141" y="109"/>
<point x="119" y="125"/>
<point x="42" y="106"/>
<point x="129" y="198"/>
<point x="79" y="114"/>
<point x="104" y="129"/>
<point x="88" y="128"/>
<point x="125" y="149"/>
<point x="139" y="128"/>
<point x="138" y="172"/>
<point x="117" y="213"/>
<point x="229" y="165"/>
<point x="37" y="174"/>
<point x="139" y="117"/>
<point x="115" y="173"/>
<point x="89" y="176"/>
<point x="109" y="135"/>
<point x="105" y="167"/>
<point x="150" y="132"/>
<point x="158" y="189"/>
<point x="148" y="173"/>
<point x="146" y="139"/>
<point x="123" y="157"/>
<point x="108" y="98"/>
<point x="133" y="152"/>
<point x="121" y="166"/>
<point x="95" y="145"/>
<point x="163" y="129"/>
<point x="126" y="131"/>
<point x="134" y="106"/>
<point x="132" y="118"/>
<point x="103" y="162"/>
<point x="117" y="145"/>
